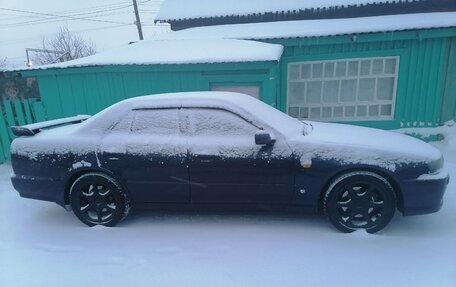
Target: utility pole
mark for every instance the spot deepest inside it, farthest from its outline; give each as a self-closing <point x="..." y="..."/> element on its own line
<point x="138" y="21"/>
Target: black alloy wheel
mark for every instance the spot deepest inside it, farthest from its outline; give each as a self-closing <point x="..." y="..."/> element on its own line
<point x="97" y="199"/>
<point x="360" y="200"/>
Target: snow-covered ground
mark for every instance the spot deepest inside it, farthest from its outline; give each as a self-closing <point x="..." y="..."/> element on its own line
<point x="43" y="245"/>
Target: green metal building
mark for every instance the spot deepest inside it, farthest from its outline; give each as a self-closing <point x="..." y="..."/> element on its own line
<point x="387" y="71"/>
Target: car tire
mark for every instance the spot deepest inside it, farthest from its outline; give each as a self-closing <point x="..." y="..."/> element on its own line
<point x="359" y="200"/>
<point x="98" y="199"/>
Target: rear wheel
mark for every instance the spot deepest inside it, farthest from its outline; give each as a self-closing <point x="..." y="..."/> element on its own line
<point x="98" y="199"/>
<point x="360" y="200"/>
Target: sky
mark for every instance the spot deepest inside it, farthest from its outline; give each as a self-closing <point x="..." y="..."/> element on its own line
<point x="111" y="23"/>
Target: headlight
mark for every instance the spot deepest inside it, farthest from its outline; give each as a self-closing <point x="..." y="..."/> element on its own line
<point x="435" y="165"/>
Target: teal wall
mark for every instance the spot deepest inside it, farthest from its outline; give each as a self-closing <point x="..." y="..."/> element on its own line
<point x="87" y="90"/>
<point x="449" y="95"/>
<point x="426" y="90"/>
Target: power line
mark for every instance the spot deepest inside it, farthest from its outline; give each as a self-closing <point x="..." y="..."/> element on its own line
<point x="15" y="16"/>
<point x="93" y="17"/>
<point x="94" y="7"/>
<point x="79" y="14"/>
<point x="148" y="2"/>
<point x="62" y="16"/>
<point x="58" y="19"/>
<point x="97" y="8"/>
<point x="17" y="57"/>
<point x="53" y="17"/>
<point x="91" y="8"/>
<point x="4" y="43"/>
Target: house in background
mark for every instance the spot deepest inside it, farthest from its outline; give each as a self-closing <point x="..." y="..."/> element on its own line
<point x="386" y="64"/>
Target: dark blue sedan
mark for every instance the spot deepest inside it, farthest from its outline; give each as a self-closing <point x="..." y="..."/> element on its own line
<point x="224" y="150"/>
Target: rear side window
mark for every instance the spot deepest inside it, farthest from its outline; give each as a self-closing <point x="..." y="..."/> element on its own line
<point x="218" y="122"/>
<point x="156" y="122"/>
<point x="124" y="124"/>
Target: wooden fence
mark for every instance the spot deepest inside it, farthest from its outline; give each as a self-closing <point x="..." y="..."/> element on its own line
<point x="13" y="113"/>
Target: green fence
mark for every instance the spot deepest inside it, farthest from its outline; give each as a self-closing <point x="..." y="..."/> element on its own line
<point x="17" y="112"/>
<point x="20" y="104"/>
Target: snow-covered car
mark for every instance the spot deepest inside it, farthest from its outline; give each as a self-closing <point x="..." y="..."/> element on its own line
<point x="223" y="150"/>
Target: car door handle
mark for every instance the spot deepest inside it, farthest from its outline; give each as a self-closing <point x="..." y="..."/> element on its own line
<point x="204" y="158"/>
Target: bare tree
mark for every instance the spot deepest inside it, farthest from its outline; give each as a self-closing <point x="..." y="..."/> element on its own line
<point x="3" y="62"/>
<point x="65" y="45"/>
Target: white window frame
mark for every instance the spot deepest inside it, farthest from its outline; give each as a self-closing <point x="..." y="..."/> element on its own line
<point x="339" y="103"/>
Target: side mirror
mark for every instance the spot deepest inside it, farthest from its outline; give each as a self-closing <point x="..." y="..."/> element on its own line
<point x="263" y="138"/>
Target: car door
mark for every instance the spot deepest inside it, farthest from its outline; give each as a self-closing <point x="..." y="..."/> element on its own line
<point x="156" y="157"/>
<point x="225" y="164"/>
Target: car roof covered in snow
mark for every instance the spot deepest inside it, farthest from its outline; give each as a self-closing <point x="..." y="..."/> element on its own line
<point x="193" y="9"/>
<point x="177" y="51"/>
<point x="317" y="28"/>
<point x="242" y="104"/>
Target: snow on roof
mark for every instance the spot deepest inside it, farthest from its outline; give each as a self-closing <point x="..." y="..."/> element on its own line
<point x="191" y="9"/>
<point x="313" y="28"/>
<point x="177" y="51"/>
<point x="219" y="44"/>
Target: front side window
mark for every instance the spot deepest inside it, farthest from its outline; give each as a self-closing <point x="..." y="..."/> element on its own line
<point x="218" y="122"/>
<point x="156" y="122"/>
<point x="345" y="89"/>
<point x="124" y="124"/>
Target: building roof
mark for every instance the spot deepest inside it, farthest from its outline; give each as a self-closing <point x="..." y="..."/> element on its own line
<point x="322" y="27"/>
<point x="177" y="51"/>
<point x="184" y="14"/>
<point x="192" y="9"/>
<point x="229" y="43"/>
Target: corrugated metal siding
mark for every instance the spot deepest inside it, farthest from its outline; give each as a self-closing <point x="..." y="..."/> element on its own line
<point x="422" y="74"/>
<point x="89" y="90"/>
<point x="421" y="78"/>
<point x="449" y="96"/>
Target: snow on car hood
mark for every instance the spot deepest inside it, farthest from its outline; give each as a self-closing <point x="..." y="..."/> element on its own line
<point x="352" y="144"/>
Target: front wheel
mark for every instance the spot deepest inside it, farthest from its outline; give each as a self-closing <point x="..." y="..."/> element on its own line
<point x="97" y="199"/>
<point x="359" y="200"/>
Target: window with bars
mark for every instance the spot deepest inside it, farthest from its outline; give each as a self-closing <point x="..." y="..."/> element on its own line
<point x="344" y="89"/>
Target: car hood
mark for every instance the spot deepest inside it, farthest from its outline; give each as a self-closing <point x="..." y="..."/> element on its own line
<point x="353" y="144"/>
